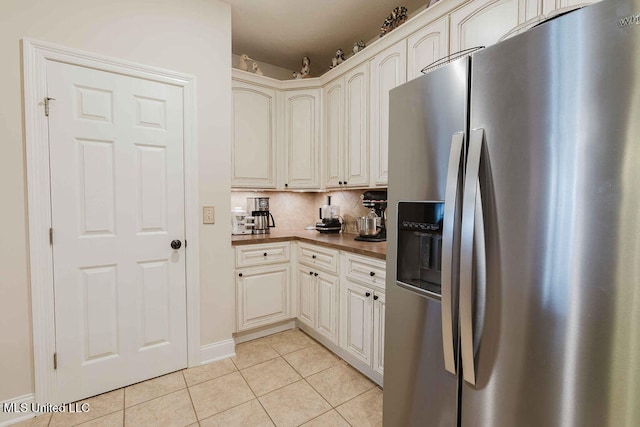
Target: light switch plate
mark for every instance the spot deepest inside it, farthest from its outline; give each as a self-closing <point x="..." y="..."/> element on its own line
<point x="208" y="215"/>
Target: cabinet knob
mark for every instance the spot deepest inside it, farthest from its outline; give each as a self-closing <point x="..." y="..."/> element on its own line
<point x="239" y="274"/>
<point x="265" y="254"/>
<point x="345" y="183"/>
<point x="313" y="256"/>
<point x="315" y="274"/>
<point x="370" y="274"/>
<point x="368" y="294"/>
<point x="311" y="273"/>
<point x="286" y="185"/>
<point x="340" y="182"/>
<point x="375" y="297"/>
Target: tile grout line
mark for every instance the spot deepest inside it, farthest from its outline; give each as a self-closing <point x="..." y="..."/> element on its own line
<point x="191" y="400"/>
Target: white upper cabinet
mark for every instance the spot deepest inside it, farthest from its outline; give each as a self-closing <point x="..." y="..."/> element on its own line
<point x="555" y="7"/>
<point x="302" y="138"/>
<point x="253" y="152"/>
<point x="388" y="70"/>
<point x="427" y="46"/>
<point x="334" y="132"/>
<point x="356" y="153"/>
<point x="484" y="22"/>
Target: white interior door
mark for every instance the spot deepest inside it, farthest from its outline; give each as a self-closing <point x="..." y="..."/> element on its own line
<point x="117" y="191"/>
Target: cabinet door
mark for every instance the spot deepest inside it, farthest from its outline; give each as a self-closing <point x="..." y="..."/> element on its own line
<point x="388" y="70"/>
<point x="326" y="307"/>
<point x="483" y="22"/>
<point x="556" y="7"/>
<point x="356" y="165"/>
<point x="426" y="46"/>
<point x="262" y="295"/>
<point x="378" y="332"/>
<point x="306" y="296"/>
<point x="302" y="134"/>
<point x="334" y="132"/>
<point x="356" y="319"/>
<point x="254" y="137"/>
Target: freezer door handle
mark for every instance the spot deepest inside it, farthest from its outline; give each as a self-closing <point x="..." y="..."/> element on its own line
<point x="449" y="245"/>
<point x="472" y="249"/>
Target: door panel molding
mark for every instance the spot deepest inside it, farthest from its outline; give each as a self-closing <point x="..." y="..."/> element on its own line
<point x="36" y="54"/>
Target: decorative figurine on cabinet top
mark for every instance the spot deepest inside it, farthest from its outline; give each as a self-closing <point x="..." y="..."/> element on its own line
<point x="358" y="46"/>
<point x="296" y="75"/>
<point x="397" y="17"/>
<point x="306" y="67"/>
<point x="242" y="63"/>
<point x="338" y="59"/>
<point x="257" y="69"/>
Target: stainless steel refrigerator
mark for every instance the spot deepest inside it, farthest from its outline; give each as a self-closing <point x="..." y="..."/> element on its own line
<point x="513" y="267"/>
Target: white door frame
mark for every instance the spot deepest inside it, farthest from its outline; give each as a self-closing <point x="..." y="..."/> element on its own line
<point x="35" y="57"/>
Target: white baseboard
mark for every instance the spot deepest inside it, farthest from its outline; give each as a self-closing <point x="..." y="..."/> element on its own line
<point x="8" y="418"/>
<point x="217" y="351"/>
<point x="254" y="334"/>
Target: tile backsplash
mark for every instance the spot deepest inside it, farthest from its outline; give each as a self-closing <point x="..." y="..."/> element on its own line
<point x="292" y="210"/>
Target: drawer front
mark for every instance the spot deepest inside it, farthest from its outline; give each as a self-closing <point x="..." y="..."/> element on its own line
<point x="368" y="271"/>
<point x="324" y="259"/>
<point x="268" y="253"/>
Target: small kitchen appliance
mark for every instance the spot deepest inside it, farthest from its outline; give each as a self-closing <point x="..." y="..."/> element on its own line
<point x="240" y="222"/>
<point x="329" y="218"/>
<point x="372" y="228"/>
<point x="259" y="208"/>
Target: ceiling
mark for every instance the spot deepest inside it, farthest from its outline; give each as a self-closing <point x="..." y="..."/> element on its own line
<point x="281" y="32"/>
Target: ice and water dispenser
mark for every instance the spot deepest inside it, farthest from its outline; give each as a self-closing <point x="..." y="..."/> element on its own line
<point x="420" y="247"/>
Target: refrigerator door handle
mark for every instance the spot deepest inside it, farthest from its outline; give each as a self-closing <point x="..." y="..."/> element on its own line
<point x="472" y="243"/>
<point x="448" y="247"/>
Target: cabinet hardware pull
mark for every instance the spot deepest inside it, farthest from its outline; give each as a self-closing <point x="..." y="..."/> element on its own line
<point x="372" y="274"/>
<point x="345" y="183"/>
<point x="315" y="274"/>
<point x="340" y="182"/>
<point x="375" y="297"/>
<point x="313" y="256"/>
<point x="265" y="254"/>
<point x="368" y="294"/>
<point x="311" y="273"/>
<point x="286" y="185"/>
<point x="239" y="274"/>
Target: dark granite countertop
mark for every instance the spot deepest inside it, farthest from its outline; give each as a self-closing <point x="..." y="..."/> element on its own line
<point x="340" y="241"/>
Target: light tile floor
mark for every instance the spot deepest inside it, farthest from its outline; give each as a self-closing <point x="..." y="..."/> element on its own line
<point x="286" y="379"/>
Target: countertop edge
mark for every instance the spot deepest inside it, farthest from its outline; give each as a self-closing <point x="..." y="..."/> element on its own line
<point x="295" y="237"/>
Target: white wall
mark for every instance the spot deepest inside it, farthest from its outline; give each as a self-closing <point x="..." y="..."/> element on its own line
<point x="188" y="36"/>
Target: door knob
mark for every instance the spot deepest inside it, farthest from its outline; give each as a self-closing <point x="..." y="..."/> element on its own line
<point x="176" y="244"/>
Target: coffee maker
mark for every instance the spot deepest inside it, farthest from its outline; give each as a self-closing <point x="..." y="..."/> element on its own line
<point x="329" y="218"/>
<point x="372" y="228"/>
<point x="259" y="208"/>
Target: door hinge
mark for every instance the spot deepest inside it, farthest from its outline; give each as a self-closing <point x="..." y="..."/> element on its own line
<point x="55" y="360"/>
<point x="51" y="236"/>
<point x="46" y="105"/>
<point x="185" y="243"/>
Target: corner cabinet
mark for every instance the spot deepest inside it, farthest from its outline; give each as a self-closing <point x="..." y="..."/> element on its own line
<point x="253" y="149"/>
<point x="388" y="70"/>
<point x="302" y="138"/>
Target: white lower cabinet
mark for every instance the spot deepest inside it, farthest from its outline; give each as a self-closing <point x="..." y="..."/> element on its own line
<point x="262" y="295"/>
<point x="337" y="297"/>
<point x="362" y="309"/>
<point x="263" y="285"/>
<point x="318" y="291"/>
